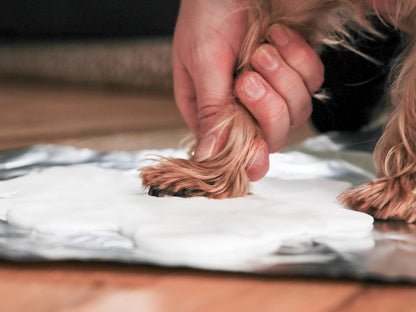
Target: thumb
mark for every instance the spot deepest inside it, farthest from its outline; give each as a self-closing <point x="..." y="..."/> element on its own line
<point x="213" y="85"/>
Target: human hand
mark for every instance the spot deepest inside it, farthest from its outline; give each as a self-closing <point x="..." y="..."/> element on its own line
<point x="278" y="93"/>
<point x="208" y="37"/>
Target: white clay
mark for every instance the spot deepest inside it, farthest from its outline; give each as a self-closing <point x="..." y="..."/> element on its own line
<point x="89" y="199"/>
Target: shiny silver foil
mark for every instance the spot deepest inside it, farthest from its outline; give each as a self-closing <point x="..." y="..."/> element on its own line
<point x="390" y="255"/>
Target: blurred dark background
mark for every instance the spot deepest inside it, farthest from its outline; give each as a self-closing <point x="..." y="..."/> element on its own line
<point x="86" y="19"/>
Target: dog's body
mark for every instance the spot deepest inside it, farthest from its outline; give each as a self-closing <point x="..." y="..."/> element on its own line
<point x="393" y="194"/>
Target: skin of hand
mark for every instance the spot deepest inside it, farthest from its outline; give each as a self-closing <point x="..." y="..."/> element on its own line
<point x="287" y="71"/>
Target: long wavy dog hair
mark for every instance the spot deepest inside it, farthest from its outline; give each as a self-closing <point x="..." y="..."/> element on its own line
<point x="321" y="22"/>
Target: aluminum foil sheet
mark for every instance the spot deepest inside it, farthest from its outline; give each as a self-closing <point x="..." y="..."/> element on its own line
<point x="390" y="255"/>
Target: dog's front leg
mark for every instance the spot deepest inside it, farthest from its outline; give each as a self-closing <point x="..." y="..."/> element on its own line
<point x="393" y="194"/>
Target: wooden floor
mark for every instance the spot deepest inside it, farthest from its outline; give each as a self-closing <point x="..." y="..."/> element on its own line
<point x="129" y="121"/>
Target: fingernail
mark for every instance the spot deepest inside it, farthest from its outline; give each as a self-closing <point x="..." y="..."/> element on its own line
<point x="279" y="35"/>
<point x="205" y="148"/>
<point x="258" y="159"/>
<point x="253" y="88"/>
<point x="266" y="58"/>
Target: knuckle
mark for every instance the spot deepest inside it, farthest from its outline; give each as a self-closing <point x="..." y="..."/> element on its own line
<point x="209" y="110"/>
<point x="290" y="86"/>
<point x="277" y="111"/>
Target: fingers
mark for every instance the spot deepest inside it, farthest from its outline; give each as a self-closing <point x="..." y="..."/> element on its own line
<point x="267" y="106"/>
<point x="278" y="94"/>
<point x="285" y="81"/>
<point x="299" y="55"/>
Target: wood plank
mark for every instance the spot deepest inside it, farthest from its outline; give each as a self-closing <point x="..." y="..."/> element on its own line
<point x="131" y="141"/>
<point x="382" y="298"/>
<point x="222" y="293"/>
<point x="30" y="115"/>
<point x="101" y="120"/>
<point x="58" y="287"/>
<point x="111" y="287"/>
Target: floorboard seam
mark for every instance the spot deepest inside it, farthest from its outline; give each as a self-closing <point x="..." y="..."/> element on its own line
<point x="361" y="291"/>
